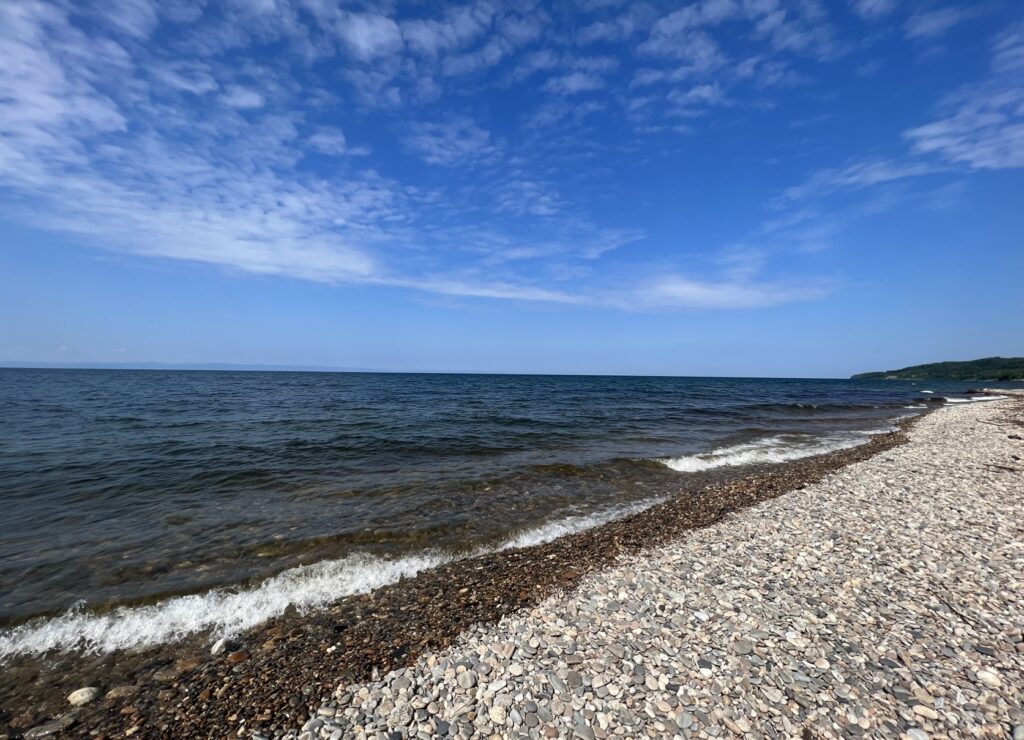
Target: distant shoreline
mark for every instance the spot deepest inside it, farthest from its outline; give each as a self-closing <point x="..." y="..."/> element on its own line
<point x="984" y="370"/>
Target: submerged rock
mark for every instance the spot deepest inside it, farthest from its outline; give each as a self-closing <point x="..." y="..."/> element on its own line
<point x="83" y="696"/>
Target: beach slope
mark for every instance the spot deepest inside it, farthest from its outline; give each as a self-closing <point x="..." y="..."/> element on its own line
<point x="884" y="600"/>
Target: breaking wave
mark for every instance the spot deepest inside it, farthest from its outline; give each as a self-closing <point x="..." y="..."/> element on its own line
<point x="224" y="612"/>
<point x="774" y="449"/>
<point x="974" y="399"/>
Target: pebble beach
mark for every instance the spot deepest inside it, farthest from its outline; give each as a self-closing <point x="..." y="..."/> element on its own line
<point x="875" y="591"/>
<point x="886" y="600"/>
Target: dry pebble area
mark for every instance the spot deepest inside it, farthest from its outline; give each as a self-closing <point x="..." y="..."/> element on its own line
<point x="886" y="600"/>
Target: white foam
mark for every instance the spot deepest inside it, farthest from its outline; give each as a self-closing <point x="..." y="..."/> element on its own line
<point x="916" y="406"/>
<point x="975" y="399"/>
<point x="554" y="530"/>
<point x="225" y="613"/>
<point x="881" y="430"/>
<point x="766" y="450"/>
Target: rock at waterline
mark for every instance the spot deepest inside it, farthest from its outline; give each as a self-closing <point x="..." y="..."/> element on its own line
<point x="82" y="696"/>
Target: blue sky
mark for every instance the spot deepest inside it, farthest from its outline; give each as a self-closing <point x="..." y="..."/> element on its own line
<point x="738" y="187"/>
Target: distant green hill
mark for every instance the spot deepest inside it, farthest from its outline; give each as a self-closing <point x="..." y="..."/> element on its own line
<point x="988" y="368"/>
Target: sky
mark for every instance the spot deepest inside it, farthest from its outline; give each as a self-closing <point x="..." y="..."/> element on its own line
<point x="720" y="187"/>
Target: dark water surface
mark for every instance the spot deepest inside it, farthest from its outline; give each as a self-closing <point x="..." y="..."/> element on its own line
<point x="123" y="487"/>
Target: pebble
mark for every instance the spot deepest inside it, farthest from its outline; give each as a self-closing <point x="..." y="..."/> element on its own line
<point x="862" y="605"/>
<point x="82" y="696"/>
<point x="122" y="691"/>
<point x="990" y="679"/>
<point x="742" y="647"/>
<point x="53" y="728"/>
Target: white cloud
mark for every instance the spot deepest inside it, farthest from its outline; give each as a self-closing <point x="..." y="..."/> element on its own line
<point x="459" y="26"/>
<point x="1008" y="51"/>
<point x="698" y="95"/>
<point x="65" y="146"/>
<point x="933" y="23"/>
<point x="331" y="141"/>
<point x="984" y="128"/>
<point x="242" y="98"/>
<point x="633" y="20"/>
<point x="135" y="18"/>
<point x="192" y="77"/>
<point x="199" y="145"/>
<point x="511" y="32"/>
<point x="369" y="35"/>
<point x="376" y="87"/>
<point x="605" y="31"/>
<point x="458" y="141"/>
<point x="694" y="46"/>
<point x="521" y="196"/>
<point x="804" y="31"/>
<point x="574" y="82"/>
<point x="682" y="291"/>
<point x="985" y="132"/>
<point x="488" y="289"/>
<point x="858" y="175"/>
<point x="534" y="62"/>
<point x="874" y="9"/>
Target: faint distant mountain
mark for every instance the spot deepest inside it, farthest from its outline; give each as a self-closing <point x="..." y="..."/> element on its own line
<point x="988" y="368"/>
<point x="187" y="366"/>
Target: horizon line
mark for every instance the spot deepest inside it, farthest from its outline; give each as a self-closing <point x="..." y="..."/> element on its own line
<point x="257" y="367"/>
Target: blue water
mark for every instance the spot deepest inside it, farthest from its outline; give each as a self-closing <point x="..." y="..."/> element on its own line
<point x="121" y="487"/>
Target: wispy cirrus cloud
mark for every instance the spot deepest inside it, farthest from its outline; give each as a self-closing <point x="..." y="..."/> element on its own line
<point x="368" y="35"/>
<point x="931" y="24"/>
<point x="682" y="291"/>
<point x="94" y="150"/>
<point x="874" y="9"/>
<point x="984" y="125"/>
<point x="858" y="175"/>
<point x="981" y="127"/>
<point x="456" y="141"/>
<point x="458" y="27"/>
<point x="242" y="98"/>
<point x="350" y="144"/>
<point x="575" y="82"/>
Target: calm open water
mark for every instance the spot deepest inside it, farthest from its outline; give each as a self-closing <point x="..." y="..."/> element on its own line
<point x="120" y="489"/>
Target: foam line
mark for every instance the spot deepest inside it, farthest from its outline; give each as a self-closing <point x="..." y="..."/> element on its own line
<point x="766" y="450"/>
<point x="224" y="612"/>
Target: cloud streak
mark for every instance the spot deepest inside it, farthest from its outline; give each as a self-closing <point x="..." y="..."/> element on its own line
<point x="984" y="125"/>
<point x="347" y="145"/>
<point x="686" y="292"/>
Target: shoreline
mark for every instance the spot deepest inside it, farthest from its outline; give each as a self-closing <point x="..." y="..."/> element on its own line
<point x="183" y="687"/>
<point x="886" y="600"/>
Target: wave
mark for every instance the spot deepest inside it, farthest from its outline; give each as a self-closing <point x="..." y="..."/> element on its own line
<point x="974" y="399"/>
<point x="812" y="408"/>
<point x="775" y="449"/>
<point x="225" y="613"/>
<point x="578" y="523"/>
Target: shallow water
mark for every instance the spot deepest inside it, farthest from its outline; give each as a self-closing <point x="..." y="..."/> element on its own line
<point x="128" y="487"/>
